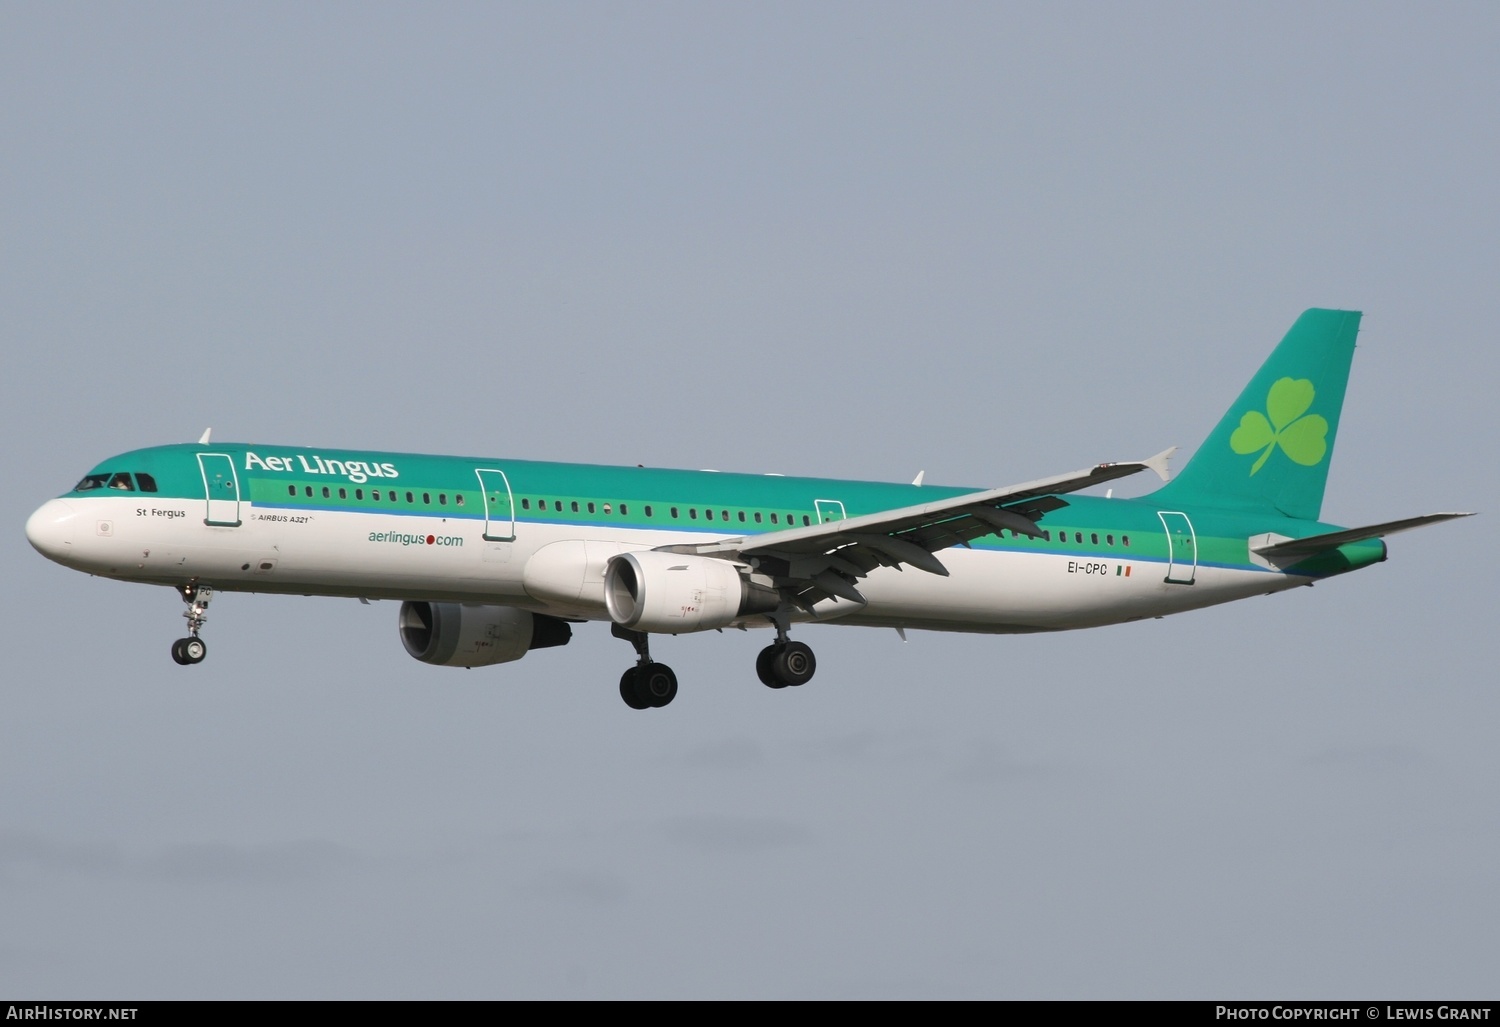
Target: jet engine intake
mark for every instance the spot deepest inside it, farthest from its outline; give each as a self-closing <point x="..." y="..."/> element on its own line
<point x="461" y="635"/>
<point x="654" y="591"/>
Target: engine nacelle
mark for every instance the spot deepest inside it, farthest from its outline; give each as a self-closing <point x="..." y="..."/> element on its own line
<point x="674" y="594"/>
<point x="459" y="635"/>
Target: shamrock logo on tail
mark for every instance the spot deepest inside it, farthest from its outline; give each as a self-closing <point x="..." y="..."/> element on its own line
<point x="1303" y="438"/>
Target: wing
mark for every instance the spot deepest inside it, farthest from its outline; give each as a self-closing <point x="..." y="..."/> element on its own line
<point x="808" y="565"/>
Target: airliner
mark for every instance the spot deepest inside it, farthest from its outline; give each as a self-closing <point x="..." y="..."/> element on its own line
<point x="493" y="557"/>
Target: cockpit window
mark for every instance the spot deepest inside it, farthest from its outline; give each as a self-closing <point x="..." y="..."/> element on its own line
<point x="145" y="481"/>
<point x="122" y="482"/>
<point x="93" y="481"/>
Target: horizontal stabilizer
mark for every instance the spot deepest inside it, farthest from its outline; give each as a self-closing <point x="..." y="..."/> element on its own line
<point x="1299" y="548"/>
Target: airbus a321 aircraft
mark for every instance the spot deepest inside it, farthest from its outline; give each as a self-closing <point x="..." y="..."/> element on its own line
<point x="493" y="557"/>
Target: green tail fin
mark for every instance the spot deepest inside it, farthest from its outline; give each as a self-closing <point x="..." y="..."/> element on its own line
<point x="1272" y="449"/>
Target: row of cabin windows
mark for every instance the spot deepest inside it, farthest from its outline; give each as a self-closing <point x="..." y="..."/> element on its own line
<point x="576" y="506"/>
<point x="675" y="512"/>
<point x="149" y="485"/>
<point x="1062" y="536"/>
<point x="391" y="495"/>
<point x="120" y="480"/>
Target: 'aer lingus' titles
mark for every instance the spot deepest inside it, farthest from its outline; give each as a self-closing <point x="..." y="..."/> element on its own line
<point x="357" y="471"/>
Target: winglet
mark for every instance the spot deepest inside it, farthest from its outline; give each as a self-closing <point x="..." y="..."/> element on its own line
<point x="206" y="433"/>
<point x="918" y="479"/>
<point x="1159" y="462"/>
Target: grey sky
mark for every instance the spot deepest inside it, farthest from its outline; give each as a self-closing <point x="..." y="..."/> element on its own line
<point x="992" y="242"/>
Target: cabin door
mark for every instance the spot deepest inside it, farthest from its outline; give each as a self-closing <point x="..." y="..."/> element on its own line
<point x="221" y="488"/>
<point x="829" y="510"/>
<point x="499" y="510"/>
<point x="1182" y="548"/>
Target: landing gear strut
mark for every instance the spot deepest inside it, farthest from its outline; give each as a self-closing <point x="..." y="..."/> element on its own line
<point x="785" y="662"/>
<point x="191" y="650"/>
<point x="648" y="684"/>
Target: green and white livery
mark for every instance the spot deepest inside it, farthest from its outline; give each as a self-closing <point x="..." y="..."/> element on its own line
<point x="493" y="557"/>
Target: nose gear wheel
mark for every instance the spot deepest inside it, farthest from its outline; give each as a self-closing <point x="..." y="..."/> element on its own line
<point x="191" y="650"/>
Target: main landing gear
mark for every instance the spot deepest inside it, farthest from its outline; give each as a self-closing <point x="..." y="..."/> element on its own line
<point x="648" y="684"/>
<point x="191" y="650"/>
<point x="785" y="662"/>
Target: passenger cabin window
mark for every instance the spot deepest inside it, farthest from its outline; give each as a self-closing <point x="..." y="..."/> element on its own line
<point x="1125" y="540"/>
<point x="591" y="507"/>
<point x="693" y="513"/>
<point x="575" y="506"/>
<point x="145" y="481"/>
<point x="525" y="504"/>
<point x="122" y="482"/>
<point x="325" y="492"/>
<point x="291" y="490"/>
<point x="91" y="482"/>
<point x="343" y="493"/>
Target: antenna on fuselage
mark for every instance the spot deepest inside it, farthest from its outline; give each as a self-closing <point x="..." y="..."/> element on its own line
<point x="206" y="433"/>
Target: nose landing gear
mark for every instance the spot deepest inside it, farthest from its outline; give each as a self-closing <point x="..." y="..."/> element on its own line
<point x="191" y="650"/>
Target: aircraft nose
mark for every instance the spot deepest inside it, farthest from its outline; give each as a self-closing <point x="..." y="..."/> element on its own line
<point x="50" y="530"/>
